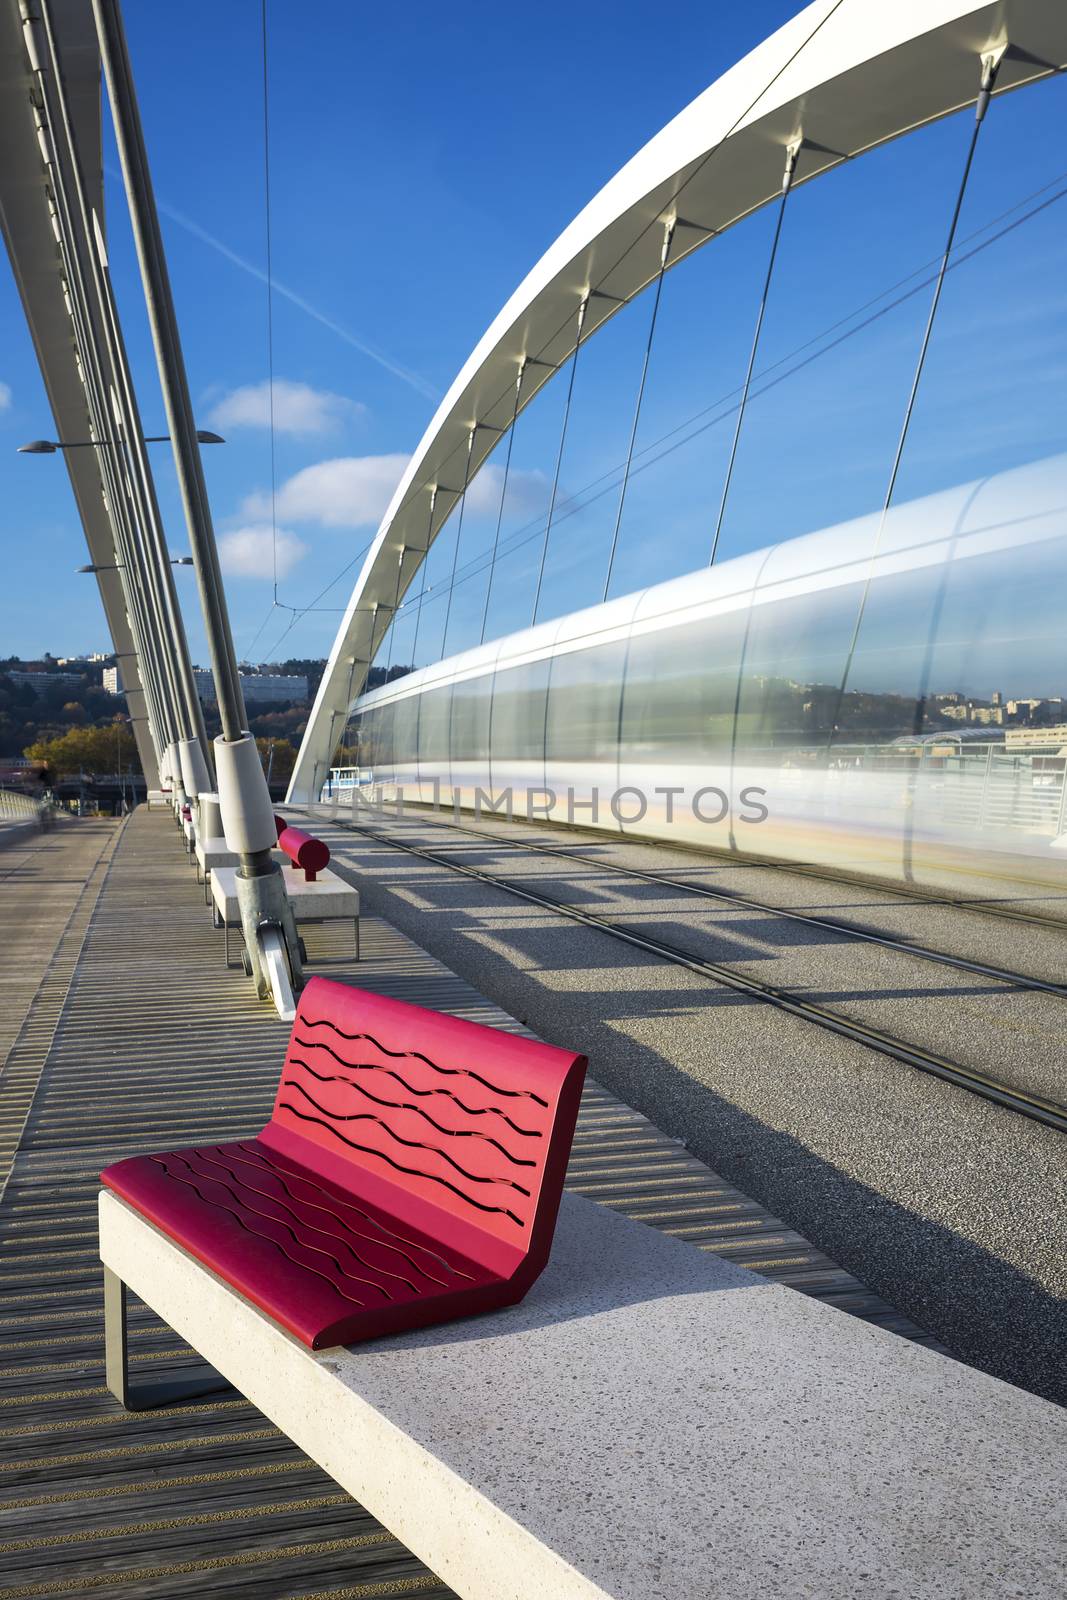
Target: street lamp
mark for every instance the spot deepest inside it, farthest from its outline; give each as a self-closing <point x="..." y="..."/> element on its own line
<point x="117" y="566"/>
<point x="48" y="447"/>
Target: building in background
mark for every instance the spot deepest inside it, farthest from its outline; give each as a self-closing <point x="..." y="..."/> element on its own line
<point x="259" y="688"/>
<point x="45" y="680"/>
<point x="112" y="680"/>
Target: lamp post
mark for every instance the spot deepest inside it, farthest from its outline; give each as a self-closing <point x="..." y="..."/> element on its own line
<point x="48" y="447"/>
<point x="120" y="566"/>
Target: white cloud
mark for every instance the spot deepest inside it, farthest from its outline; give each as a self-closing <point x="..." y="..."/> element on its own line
<point x="347" y="492"/>
<point x="298" y="408"/>
<point x="249" y="552"/>
<point x="355" y="491"/>
<point x="5" y="396"/>
<point x="527" y="492"/>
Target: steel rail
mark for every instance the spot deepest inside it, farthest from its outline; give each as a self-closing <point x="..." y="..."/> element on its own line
<point x="1036" y="1107"/>
<point x="811" y="869"/>
<point x="731" y="897"/>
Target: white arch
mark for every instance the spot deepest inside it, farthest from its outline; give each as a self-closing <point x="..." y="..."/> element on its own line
<point x="846" y="75"/>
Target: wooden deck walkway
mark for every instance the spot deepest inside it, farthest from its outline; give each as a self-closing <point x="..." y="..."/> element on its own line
<point x="138" y="1038"/>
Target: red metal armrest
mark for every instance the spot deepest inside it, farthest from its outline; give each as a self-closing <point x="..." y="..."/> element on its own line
<point x="310" y="854"/>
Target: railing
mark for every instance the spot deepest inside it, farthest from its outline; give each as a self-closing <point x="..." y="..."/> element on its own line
<point x="18" y="807"/>
<point x="946" y="785"/>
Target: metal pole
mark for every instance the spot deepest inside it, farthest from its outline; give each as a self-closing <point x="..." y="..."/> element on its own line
<point x="272" y="948"/>
<point x="79" y="262"/>
<point x="163" y="320"/>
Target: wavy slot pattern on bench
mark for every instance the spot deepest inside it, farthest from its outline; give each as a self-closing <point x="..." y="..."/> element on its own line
<point x="270" y="1164"/>
<point x="417" y="1055"/>
<point x="371" y="1066"/>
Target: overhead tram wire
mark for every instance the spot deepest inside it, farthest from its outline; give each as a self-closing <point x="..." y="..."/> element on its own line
<point x="668" y="236"/>
<point x="990" y="64"/>
<point x="792" y="153"/>
<point x="300" y="612"/>
<point x="270" y="300"/>
<point x="530" y="530"/>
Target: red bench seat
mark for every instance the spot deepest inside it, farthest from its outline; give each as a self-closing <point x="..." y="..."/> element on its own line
<point x="410" y="1173"/>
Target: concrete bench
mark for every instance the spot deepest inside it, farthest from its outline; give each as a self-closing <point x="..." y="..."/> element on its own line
<point x="651" y="1423"/>
<point x="328" y="899"/>
<point x="410" y="1173"/>
<point x="211" y="854"/>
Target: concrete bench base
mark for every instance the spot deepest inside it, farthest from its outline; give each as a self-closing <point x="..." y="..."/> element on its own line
<point x="651" y="1423"/>
<point x="210" y="855"/>
<point x="328" y="899"/>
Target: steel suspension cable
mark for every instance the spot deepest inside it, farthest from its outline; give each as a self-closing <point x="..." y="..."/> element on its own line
<point x="792" y="152"/>
<point x="559" y="456"/>
<point x="425" y="559"/>
<point x="990" y="64"/>
<point x="668" y="235"/>
<point x="459" y="532"/>
<point x="503" y="497"/>
<point x="396" y="604"/>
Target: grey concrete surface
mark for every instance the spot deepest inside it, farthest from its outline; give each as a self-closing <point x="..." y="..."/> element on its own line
<point x="951" y="1208"/>
<point x="652" y="1423"/>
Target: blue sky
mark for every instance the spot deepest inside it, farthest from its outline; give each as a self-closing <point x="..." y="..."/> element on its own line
<point x="417" y="173"/>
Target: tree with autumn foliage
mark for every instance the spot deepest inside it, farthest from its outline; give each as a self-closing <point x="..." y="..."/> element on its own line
<point x="89" y="750"/>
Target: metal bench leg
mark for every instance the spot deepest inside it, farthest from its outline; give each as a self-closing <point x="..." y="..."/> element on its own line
<point x="117" y="1368"/>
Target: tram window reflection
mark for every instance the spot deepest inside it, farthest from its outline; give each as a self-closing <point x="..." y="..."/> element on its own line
<point x="471" y="702"/>
<point x="681" y="689"/>
<point x="583" y="704"/>
<point x="434" y="714"/>
<point x="519" y="712"/>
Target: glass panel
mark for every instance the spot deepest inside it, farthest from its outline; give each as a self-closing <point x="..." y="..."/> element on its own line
<point x="583" y="705"/>
<point x="471" y="701"/>
<point x="517" y="730"/>
<point x="405" y="731"/>
<point x="435" y="710"/>
<point x="681" y="689"/>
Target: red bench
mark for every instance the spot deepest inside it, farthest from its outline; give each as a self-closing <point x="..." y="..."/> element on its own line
<point x="410" y="1173"/>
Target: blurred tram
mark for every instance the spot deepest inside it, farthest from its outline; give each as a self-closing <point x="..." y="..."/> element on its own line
<point x="883" y="696"/>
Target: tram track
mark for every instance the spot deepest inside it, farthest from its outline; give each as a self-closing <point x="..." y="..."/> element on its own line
<point x="983" y="1084"/>
<point x="735" y="900"/>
